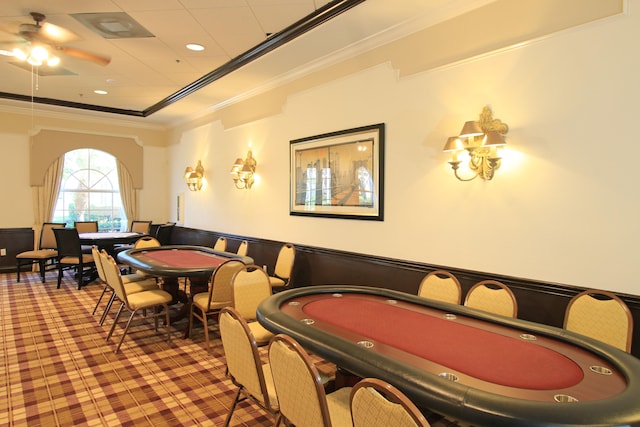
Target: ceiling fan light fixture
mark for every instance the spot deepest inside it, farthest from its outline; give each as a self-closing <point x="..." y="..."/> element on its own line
<point x="20" y="54"/>
<point x="39" y="53"/>
<point x="53" y="61"/>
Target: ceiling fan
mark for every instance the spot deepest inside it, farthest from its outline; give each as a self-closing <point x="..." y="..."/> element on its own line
<point x="38" y="42"/>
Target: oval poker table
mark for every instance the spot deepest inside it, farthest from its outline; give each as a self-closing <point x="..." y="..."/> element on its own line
<point x="178" y="260"/>
<point x="462" y="363"/>
<point x="171" y="262"/>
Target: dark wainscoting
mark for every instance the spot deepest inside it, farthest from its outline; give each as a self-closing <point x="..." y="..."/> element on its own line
<point x="540" y="302"/>
<point x="14" y="240"/>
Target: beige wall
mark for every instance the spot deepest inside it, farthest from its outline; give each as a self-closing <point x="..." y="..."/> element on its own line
<point x="563" y="207"/>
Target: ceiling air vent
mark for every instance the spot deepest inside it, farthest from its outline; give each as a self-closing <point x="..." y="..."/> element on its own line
<point x="113" y="25"/>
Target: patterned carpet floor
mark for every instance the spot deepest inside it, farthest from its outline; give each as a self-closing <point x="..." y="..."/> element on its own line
<point x="57" y="370"/>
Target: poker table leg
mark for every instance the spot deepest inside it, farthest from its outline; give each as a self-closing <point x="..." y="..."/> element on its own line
<point x="172" y="286"/>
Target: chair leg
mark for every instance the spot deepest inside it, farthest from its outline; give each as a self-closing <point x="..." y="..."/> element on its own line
<point x="115" y="322"/>
<point x="126" y="329"/>
<point x="205" y="325"/>
<point x="167" y="322"/>
<point x="190" y="320"/>
<point x="233" y="407"/>
<point x="18" y="265"/>
<point x="41" y="264"/>
<point x="104" y="290"/>
<point x="107" y="308"/>
<point x="59" y="275"/>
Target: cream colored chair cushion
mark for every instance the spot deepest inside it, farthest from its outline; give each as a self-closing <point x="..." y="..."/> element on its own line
<point x="441" y="286"/>
<point x="375" y="403"/>
<point x="493" y="297"/>
<point x="301" y="395"/>
<point x="600" y="315"/>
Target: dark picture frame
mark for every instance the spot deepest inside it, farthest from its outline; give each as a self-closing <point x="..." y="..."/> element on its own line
<point x="339" y="174"/>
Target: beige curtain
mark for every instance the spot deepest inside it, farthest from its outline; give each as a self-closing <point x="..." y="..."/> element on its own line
<point x="128" y="193"/>
<point x="45" y="197"/>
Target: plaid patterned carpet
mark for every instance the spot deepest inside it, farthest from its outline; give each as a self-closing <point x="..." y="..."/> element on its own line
<point x="57" y="369"/>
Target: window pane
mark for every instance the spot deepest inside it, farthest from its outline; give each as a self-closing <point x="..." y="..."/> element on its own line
<point x="90" y="190"/>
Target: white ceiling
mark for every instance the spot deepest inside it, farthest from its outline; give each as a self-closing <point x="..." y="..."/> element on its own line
<point x="145" y="71"/>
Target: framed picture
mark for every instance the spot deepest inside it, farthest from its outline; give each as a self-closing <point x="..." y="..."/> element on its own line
<point x="339" y="174"/>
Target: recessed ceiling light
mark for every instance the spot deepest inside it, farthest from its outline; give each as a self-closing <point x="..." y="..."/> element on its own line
<point x="195" y="47"/>
<point x="100" y="92"/>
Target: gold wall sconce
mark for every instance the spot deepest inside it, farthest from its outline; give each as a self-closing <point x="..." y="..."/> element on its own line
<point x="194" y="177"/>
<point x="242" y="171"/>
<point x="481" y="140"/>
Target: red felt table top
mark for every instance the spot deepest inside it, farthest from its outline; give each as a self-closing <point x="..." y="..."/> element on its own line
<point x="483" y="354"/>
<point x="184" y="258"/>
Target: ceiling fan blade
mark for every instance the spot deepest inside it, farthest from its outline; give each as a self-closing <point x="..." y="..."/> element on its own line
<point x="57" y="34"/>
<point x="83" y="54"/>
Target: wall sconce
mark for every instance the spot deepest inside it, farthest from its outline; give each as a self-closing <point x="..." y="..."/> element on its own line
<point x="242" y="171"/>
<point x="194" y="177"/>
<point x="481" y="140"/>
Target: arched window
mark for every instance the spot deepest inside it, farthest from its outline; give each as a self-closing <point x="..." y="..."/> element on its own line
<point x="89" y="190"/>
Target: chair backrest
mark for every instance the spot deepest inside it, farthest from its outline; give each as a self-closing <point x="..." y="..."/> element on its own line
<point x="241" y="352"/>
<point x="442" y="286"/>
<point x="47" y="237"/>
<point x="140" y="226"/>
<point x="146" y="242"/>
<point x="112" y="274"/>
<point x="68" y="242"/>
<point x="86" y="226"/>
<point x="284" y="263"/>
<point x="250" y="286"/>
<point x="163" y="233"/>
<point x="601" y="315"/>
<point x="492" y="296"/>
<point x="376" y="403"/>
<point x="243" y="249"/>
<point x="220" y="286"/>
<point x="301" y="395"/>
<point x="97" y="259"/>
<point x="221" y="244"/>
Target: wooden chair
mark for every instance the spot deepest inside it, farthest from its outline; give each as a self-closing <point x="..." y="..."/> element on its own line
<point x="301" y="395"/>
<point x="163" y="233"/>
<point x="138" y="226"/>
<point x="86" y="226"/>
<point x="441" y="285"/>
<point x="250" y="286"/>
<point x="70" y="255"/>
<point x="492" y="296"/>
<point x="601" y="315"/>
<point x="134" y="302"/>
<point x="44" y="255"/>
<point x="243" y="249"/>
<point x="244" y="366"/>
<point x="221" y="244"/>
<point x="376" y="403"/>
<point x="281" y="277"/>
<point x="142" y="227"/>
<point x="209" y="304"/>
